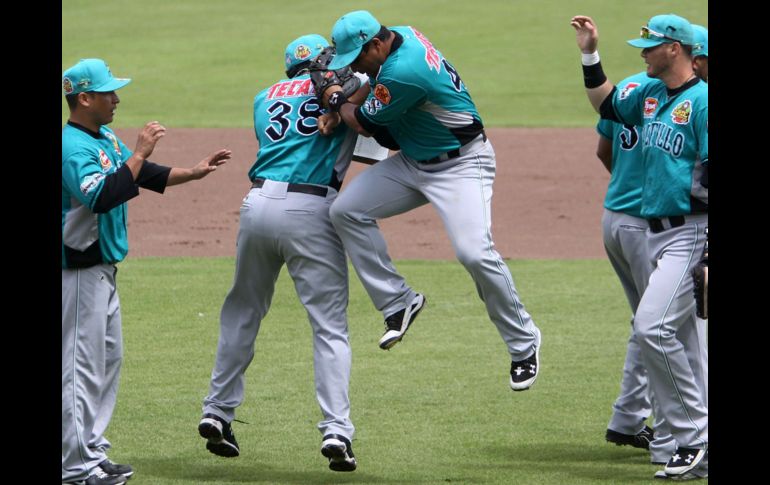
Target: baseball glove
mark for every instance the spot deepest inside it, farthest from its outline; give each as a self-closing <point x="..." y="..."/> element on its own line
<point x="700" y="278"/>
<point x="323" y="78"/>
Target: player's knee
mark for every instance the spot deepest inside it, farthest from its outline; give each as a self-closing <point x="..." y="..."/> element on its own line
<point x="470" y="257"/>
<point x="338" y="212"/>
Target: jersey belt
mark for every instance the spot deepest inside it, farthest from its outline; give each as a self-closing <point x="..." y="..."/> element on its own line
<point x="302" y="188"/>
<point x="659" y="225"/>
<point x="452" y="153"/>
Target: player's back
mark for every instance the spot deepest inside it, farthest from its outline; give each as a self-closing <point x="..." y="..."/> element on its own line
<point x="290" y="147"/>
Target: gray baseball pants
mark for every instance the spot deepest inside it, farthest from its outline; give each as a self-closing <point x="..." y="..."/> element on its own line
<point x="278" y="227"/>
<point x="664" y="319"/>
<point x="92" y="352"/>
<point x="625" y="241"/>
<point x="460" y="189"/>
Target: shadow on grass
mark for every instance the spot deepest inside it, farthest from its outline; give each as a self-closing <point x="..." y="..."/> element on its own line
<point x="610" y="463"/>
<point x="243" y="471"/>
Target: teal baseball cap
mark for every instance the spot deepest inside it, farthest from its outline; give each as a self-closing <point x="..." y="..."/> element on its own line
<point x="349" y="33"/>
<point x="701" y="47"/>
<point x="303" y="49"/>
<point x="90" y="75"/>
<point x="664" y="29"/>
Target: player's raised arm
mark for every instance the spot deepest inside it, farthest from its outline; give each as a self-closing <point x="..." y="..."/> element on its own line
<point x="596" y="83"/>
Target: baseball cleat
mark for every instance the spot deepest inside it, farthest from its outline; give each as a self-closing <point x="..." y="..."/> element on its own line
<point x="639" y="440"/>
<point x="100" y="477"/>
<point x="683" y="460"/>
<point x="112" y="468"/>
<point x="525" y="372"/>
<point x="339" y="451"/>
<point x="661" y="475"/>
<point x="219" y="433"/>
<point x="398" y="323"/>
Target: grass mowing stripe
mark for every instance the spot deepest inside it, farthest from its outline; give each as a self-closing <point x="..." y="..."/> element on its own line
<point x="198" y="63"/>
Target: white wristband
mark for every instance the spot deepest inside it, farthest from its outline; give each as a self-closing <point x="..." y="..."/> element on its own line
<point x="591" y="59"/>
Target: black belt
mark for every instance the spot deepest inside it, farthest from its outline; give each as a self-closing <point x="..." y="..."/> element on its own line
<point x="443" y="157"/>
<point x="302" y="188"/>
<point x="660" y="225"/>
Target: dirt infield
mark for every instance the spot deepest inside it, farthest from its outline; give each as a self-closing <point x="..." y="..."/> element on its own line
<point x="547" y="202"/>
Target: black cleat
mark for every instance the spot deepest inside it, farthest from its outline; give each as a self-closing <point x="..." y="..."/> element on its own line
<point x="219" y="433"/>
<point x="398" y="323"/>
<point x="639" y="440"/>
<point x="338" y="450"/>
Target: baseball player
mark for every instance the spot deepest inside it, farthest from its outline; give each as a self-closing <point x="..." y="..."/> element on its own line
<point x="99" y="175"/>
<point x="672" y="113"/>
<point x="285" y="220"/>
<point x="418" y="97"/>
<point x="625" y="242"/>
<point x="700" y="52"/>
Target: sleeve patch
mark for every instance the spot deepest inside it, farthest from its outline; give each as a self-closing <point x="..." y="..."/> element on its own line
<point x="627" y="90"/>
<point x="382" y="94"/>
<point x="90" y="183"/>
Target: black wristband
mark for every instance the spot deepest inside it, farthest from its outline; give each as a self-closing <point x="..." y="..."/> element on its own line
<point x="593" y="76"/>
<point x="336" y="100"/>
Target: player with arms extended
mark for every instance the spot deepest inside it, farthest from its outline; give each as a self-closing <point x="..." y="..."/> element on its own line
<point x="99" y="176"/>
<point x="672" y="111"/>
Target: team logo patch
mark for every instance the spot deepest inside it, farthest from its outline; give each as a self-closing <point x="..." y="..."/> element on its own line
<point x="66" y="85"/>
<point x="650" y="105"/>
<point x="115" y="144"/>
<point x="90" y="183"/>
<point x="681" y="114"/>
<point x="627" y="90"/>
<point x="372" y="105"/>
<point x="302" y="52"/>
<point x="382" y="93"/>
<point x="104" y="161"/>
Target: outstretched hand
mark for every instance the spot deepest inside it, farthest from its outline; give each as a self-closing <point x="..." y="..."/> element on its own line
<point x="210" y="163"/>
<point x="586" y="33"/>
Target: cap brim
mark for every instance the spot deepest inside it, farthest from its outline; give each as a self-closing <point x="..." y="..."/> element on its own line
<point x="343" y="60"/>
<point x="116" y="83"/>
<point x="644" y="43"/>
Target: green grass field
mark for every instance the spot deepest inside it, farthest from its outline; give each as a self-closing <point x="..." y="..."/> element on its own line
<point x="435" y="409"/>
<point x="199" y="63"/>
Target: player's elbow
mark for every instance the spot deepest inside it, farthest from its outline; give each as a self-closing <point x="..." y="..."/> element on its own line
<point x="361" y="131"/>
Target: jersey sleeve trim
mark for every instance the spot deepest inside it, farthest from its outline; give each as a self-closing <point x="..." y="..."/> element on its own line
<point x="117" y="188"/>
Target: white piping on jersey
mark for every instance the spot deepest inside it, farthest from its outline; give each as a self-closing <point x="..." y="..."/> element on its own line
<point x="448" y="118"/>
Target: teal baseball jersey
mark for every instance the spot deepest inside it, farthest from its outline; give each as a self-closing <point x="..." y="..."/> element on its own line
<point x="420" y="97"/>
<point x="290" y="147"/>
<point x="86" y="161"/>
<point x="624" y="191"/>
<point x="674" y="139"/>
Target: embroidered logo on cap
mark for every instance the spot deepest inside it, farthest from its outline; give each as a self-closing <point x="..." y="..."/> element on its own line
<point x="66" y="84"/>
<point x="302" y="52"/>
